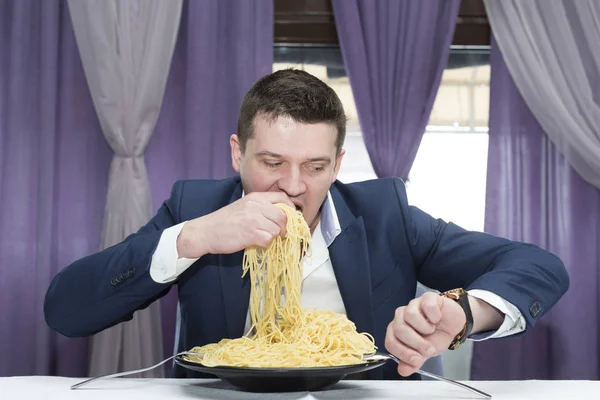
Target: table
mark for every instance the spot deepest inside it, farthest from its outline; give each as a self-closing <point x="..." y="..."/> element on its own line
<point x="44" y="387"/>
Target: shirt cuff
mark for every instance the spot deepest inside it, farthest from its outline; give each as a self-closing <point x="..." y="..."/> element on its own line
<point x="166" y="266"/>
<point x="513" y="319"/>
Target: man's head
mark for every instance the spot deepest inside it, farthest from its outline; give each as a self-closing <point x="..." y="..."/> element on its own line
<point x="291" y="130"/>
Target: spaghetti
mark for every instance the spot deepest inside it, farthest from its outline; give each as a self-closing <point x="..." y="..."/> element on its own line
<point x="283" y="334"/>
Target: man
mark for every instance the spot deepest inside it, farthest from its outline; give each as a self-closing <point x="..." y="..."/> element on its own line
<point x="369" y="246"/>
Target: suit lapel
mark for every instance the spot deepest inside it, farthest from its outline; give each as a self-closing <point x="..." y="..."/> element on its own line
<point x="236" y="291"/>
<point x="350" y="260"/>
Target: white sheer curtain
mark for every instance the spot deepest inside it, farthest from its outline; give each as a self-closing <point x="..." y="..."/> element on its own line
<point x="126" y="49"/>
<point x="552" y="50"/>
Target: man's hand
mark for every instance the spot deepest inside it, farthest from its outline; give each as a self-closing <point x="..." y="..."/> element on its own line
<point x="423" y="329"/>
<point x="253" y="220"/>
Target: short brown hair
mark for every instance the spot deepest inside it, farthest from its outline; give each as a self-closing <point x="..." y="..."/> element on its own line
<point x="291" y="93"/>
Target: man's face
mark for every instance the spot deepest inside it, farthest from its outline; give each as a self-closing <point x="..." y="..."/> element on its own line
<point x="298" y="159"/>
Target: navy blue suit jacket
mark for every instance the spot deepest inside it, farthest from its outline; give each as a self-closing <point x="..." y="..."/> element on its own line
<point x="385" y="246"/>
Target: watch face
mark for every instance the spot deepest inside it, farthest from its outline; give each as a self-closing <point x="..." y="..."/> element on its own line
<point x="454" y="293"/>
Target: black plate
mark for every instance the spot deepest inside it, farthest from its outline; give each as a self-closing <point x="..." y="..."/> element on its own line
<point x="280" y="379"/>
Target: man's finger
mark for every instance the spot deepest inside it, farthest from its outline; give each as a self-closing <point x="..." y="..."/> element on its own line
<point x="431" y="307"/>
<point x="409" y="358"/>
<point x="275" y="215"/>
<point x="414" y="316"/>
<point x="405" y="369"/>
<point x="410" y="338"/>
<point x="269" y="226"/>
<point x="262" y="238"/>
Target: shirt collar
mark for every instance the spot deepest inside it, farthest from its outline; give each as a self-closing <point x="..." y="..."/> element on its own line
<point x="330" y="224"/>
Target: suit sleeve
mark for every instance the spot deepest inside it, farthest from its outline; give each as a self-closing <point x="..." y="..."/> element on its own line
<point x="106" y="288"/>
<point x="449" y="257"/>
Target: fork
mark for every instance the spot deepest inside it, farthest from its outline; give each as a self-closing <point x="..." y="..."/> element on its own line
<point x="125" y="373"/>
<point x="386" y="356"/>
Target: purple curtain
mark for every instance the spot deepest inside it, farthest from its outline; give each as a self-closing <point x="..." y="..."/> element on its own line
<point x="223" y="47"/>
<point x="53" y="176"/>
<point x="533" y="195"/>
<point x="54" y="160"/>
<point x="395" y="52"/>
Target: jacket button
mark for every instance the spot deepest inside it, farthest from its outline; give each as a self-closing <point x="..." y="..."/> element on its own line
<point x="535" y="309"/>
<point x="114" y="282"/>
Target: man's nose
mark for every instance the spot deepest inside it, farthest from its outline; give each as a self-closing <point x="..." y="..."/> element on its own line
<point x="292" y="182"/>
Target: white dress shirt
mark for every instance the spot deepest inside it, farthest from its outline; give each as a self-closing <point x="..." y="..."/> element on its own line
<point x="319" y="285"/>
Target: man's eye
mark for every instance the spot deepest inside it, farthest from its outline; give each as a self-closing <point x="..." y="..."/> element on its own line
<point x="271" y="165"/>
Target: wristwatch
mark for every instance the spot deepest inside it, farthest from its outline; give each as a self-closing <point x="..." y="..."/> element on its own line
<point x="461" y="297"/>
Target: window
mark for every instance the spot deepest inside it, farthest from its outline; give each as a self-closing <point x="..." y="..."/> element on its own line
<point x="448" y="177"/>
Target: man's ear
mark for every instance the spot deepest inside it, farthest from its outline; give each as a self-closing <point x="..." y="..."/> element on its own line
<point x="236" y="152"/>
<point x="338" y="163"/>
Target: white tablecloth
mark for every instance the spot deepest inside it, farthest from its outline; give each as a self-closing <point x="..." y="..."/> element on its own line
<point x="39" y="387"/>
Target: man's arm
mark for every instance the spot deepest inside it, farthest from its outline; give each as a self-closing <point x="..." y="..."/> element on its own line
<point x="106" y="288"/>
<point x="449" y="257"/>
<point x="511" y="274"/>
<point x="485" y="317"/>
